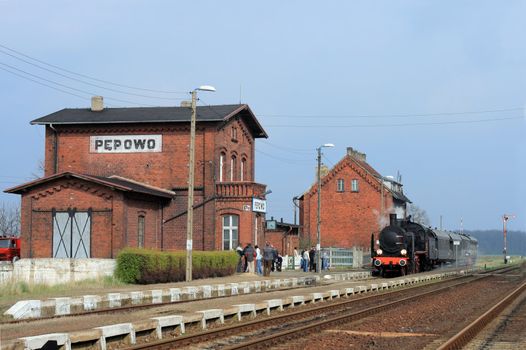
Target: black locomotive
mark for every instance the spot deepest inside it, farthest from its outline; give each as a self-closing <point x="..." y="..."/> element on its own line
<point x="406" y="247"/>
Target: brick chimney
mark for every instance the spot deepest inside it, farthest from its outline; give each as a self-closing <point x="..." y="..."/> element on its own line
<point x="356" y="154"/>
<point x="97" y="104"/>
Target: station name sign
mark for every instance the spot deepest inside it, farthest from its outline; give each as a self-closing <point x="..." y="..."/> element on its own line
<point x="126" y="144"/>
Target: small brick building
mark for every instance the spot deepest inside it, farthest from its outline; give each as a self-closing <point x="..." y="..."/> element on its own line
<point x="118" y="177"/>
<point x="355" y="202"/>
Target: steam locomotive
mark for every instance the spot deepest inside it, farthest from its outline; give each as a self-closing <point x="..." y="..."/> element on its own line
<point x="406" y="247"/>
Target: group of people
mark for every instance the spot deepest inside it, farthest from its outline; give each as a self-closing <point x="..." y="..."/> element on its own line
<point x="266" y="259"/>
<point x="309" y="260"/>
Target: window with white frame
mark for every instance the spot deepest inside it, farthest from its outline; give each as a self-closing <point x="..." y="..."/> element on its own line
<point x="339" y="185"/>
<point x="230" y="232"/>
<point x="354" y="185"/>
<point x="221" y="166"/>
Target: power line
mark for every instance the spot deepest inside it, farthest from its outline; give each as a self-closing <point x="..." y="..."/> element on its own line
<point x="89" y="77"/>
<point x="68" y="87"/>
<point x="325" y="116"/>
<point x="302" y="151"/>
<point x="393" y="125"/>
<point x="46" y="85"/>
<point x="91" y="84"/>
<point x="288" y="160"/>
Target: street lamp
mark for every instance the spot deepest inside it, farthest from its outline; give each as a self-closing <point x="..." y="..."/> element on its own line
<point x="190" y="210"/>
<point x="318" y="245"/>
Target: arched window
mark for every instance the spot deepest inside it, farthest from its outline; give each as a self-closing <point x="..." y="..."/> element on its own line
<point x="230" y="232"/>
<point x="243" y="169"/>
<point x="233" y="166"/>
<point x="222" y="157"/>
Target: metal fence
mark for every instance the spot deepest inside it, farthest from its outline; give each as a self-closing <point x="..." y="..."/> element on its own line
<point x="335" y="258"/>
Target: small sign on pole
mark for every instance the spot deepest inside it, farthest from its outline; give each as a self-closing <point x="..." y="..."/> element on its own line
<point x="259" y="205"/>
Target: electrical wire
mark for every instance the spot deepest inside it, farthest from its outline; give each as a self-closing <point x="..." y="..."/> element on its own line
<point x="91" y="84"/>
<point x="288" y="160"/>
<point x="393" y="125"/>
<point x="68" y="87"/>
<point x="351" y="116"/>
<point x="92" y="78"/>
<point x="302" y="151"/>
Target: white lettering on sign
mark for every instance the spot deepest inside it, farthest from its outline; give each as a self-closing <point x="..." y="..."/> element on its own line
<point x="126" y="143"/>
<point x="259" y="205"/>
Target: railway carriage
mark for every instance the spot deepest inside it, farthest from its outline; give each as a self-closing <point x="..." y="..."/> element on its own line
<point x="407" y="247"/>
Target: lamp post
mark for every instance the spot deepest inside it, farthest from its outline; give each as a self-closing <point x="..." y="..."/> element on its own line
<point x="318" y="221"/>
<point x="190" y="210"/>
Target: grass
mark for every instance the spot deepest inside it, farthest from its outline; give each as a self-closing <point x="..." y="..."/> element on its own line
<point x="12" y="292"/>
<point x="496" y="261"/>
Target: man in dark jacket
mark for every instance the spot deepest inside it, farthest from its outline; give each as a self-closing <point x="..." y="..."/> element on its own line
<point x="249" y="257"/>
<point x="268" y="257"/>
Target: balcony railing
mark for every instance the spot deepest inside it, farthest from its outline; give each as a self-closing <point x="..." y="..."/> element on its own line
<point x="240" y="189"/>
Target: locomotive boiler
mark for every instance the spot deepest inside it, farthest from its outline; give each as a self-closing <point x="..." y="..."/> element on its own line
<point x="405" y="247"/>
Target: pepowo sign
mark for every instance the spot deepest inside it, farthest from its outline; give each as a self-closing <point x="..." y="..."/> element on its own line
<point x="126" y="144"/>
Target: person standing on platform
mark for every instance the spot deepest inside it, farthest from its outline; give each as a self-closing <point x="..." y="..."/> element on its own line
<point x="268" y="257"/>
<point x="239" y="251"/>
<point x="295" y="258"/>
<point x="250" y="254"/>
<point x="259" y="265"/>
<point x="311" y="259"/>
<point x="306" y="261"/>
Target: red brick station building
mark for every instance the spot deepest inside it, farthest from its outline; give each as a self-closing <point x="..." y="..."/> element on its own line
<point x="355" y="202"/>
<point x="118" y="177"/>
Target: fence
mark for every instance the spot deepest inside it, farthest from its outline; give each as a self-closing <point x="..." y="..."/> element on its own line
<point x="336" y="258"/>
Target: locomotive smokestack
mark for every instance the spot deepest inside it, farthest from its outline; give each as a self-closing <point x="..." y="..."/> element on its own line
<point x="392" y="219"/>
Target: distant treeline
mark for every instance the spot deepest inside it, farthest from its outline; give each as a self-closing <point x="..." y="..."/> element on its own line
<point x="491" y="242"/>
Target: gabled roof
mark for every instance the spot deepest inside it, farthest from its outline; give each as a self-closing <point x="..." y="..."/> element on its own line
<point x="217" y="113"/>
<point x="115" y="182"/>
<point x="369" y="169"/>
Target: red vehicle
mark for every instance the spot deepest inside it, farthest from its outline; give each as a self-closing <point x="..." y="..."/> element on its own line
<point x="9" y="249"/>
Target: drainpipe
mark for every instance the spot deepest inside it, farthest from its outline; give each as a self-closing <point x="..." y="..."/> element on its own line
<point x="55" y="148"/>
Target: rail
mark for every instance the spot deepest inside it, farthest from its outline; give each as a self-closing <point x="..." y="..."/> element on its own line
<point x="459" y="340"/>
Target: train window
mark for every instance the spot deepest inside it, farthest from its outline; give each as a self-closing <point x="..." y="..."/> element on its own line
<point x="340" y="185"/>
<point x="354" y="185"/>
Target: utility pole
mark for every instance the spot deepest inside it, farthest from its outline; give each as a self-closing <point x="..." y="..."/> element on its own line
<point x="190" y="208"/>
<point x="505" y="219"/>
<point x="318" y="221"/>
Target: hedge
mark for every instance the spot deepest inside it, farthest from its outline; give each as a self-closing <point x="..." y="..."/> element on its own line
<point x="145" y="266"/>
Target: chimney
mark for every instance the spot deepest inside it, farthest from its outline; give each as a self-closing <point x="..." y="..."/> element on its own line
<point x="97" y="104"/>
<point x="355" y="154"/>
<point x="392" y="220"/>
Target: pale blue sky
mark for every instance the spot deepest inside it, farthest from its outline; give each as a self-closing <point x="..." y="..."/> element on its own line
<point x="307" y="69"/>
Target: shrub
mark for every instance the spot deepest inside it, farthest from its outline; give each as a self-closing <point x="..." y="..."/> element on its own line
<point x="145" y="266"/>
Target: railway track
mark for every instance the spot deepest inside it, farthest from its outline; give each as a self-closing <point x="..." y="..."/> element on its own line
<point x="270" y="331"/>
<point x="462" y="338"/>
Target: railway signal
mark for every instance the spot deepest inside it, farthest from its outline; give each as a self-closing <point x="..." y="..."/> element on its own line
<point x="505" y="219"/>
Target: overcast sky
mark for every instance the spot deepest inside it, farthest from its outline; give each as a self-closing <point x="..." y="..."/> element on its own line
<point x="435" y="90"/>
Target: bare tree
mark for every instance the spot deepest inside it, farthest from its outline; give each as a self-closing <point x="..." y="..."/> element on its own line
<point x="39" y="171"/>
<point x="418" y="215"/>
<point x="9" y="220"/>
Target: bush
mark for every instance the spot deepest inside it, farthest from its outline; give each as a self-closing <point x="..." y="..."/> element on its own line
<point x="145" y="266"/>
